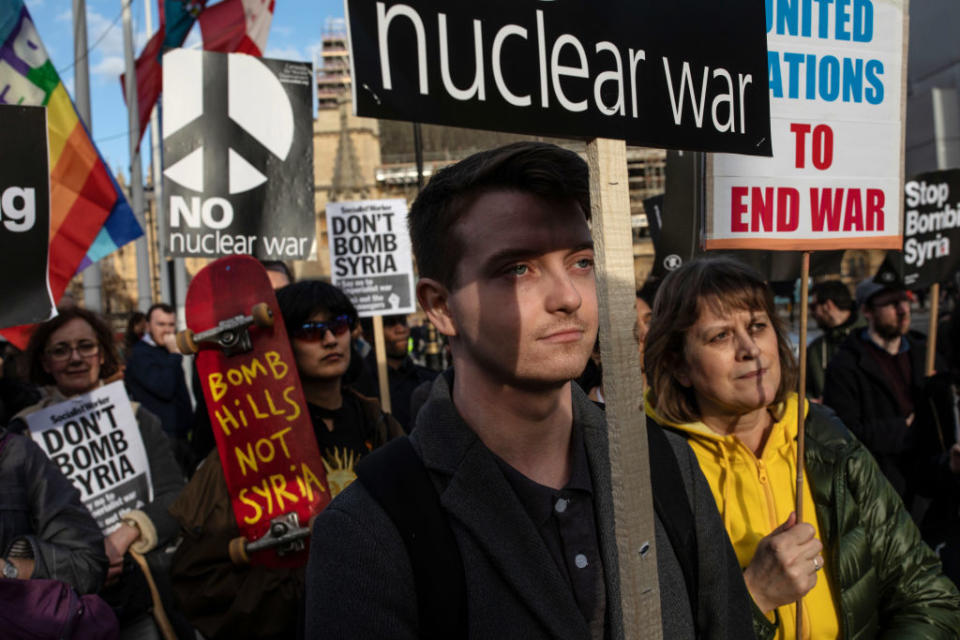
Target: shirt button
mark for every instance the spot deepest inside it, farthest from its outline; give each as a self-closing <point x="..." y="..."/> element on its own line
<point x="561" y="505"/>
<point x="580" y="560"/>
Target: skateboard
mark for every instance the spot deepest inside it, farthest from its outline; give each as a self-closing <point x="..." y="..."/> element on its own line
<point x="270" y="459"/>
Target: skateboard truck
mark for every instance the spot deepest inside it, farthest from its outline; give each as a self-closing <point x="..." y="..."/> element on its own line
<point x="232" y="335"/>
<point x="285" y="535"/>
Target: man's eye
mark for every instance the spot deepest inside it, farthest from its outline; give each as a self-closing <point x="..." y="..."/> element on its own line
<point x="584" y="263"/>
<point x="517" y="270"/>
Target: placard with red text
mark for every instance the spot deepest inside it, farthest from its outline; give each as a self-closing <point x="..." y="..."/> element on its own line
<point x="836" y="103"/>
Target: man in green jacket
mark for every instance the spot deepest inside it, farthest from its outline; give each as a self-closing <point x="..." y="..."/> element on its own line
<point x="835" y="313"/>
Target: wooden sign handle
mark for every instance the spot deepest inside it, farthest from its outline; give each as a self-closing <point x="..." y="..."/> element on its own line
<point x="381" y="351"/>
<point x="932" y="328"/>
<point x="801" y="404"/>
<point x="622" y="388"/>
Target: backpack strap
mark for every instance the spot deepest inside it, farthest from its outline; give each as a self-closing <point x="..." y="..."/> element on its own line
<point x="396" y="478"/>
<point x="671" y="503"/>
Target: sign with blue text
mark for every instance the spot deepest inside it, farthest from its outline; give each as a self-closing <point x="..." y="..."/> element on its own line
<point x="837" y="86"/>
<point x="686" y="75"/>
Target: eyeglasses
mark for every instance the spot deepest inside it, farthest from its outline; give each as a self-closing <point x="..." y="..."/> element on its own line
<point x="315" y="331"/>
<point x="63" y="351"/>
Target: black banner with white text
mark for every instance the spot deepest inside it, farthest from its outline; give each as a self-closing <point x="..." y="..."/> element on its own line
<point x="661" y="74"/>
<point x="931" y="228"/>
<point x="24" y="216"/>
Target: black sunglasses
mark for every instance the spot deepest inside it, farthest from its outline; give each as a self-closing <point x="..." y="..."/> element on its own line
<point x="315" y="331"/>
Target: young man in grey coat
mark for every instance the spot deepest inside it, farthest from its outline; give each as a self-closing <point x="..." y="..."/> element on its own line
<point x="515" y="453"/>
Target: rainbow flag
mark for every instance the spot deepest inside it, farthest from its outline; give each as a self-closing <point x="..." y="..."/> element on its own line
<point x="89" y="215"/>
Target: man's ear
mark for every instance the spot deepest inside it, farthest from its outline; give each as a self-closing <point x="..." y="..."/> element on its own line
<point x="433" y="298"/>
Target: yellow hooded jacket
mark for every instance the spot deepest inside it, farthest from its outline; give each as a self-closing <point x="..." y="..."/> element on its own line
<point x="755" y="496"/>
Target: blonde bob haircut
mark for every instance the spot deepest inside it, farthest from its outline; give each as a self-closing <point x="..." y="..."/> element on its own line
<point x="725" y="285"/>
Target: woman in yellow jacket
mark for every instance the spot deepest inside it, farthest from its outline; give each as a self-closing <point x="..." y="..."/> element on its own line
<point x="721" y="372"/>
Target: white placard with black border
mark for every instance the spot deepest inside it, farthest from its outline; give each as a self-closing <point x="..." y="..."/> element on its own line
<point x="370" y="256"/>
<point x="837" y="95"/>
<point x="95" y="440"/>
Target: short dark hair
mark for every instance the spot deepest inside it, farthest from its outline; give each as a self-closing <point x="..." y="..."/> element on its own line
<point x="545" y="170"/>
<point x="835" y="291"/>
<point x="725" y="284"/>
<point x="280" y="267"/>
<point x="131" y="337"/>
<point x="648" y="292"/>
<point x="162" y="306"/>
<point x="41" y="335"/>
<point x="300" y="300"/>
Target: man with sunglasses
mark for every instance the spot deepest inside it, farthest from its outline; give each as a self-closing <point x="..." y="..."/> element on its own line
<point x="226" y="601"/>
<point x="878" y="386"/>
<point x="494" y="518"/>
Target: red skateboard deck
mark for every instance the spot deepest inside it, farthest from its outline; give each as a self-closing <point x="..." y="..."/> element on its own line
<point x="270" y="459"/>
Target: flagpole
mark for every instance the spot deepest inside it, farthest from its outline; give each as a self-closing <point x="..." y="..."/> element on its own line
<point x="92" y="279"/>
<point x="157" y="174"/>
<point x="144" y="299"/>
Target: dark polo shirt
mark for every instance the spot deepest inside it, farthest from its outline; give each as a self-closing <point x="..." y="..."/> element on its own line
<point x="565" y="520"/>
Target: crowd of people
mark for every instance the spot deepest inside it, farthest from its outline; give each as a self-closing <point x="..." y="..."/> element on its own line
<point x="481" y="504"/>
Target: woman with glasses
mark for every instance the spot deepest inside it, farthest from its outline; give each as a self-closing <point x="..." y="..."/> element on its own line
<point x="221" y="599"/>
<point x="722" y="374"/>
<point x="73" y="354"/>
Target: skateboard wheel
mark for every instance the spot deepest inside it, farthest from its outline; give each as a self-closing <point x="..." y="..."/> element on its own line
<point x="262" y="315"/>
<point x="185" y="342"/>
<point x="238" y="551"/>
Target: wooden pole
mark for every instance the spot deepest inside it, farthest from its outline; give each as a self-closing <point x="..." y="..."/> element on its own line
<point x="932" y="327"/>
<point x="381" y="351"/>
<point x="159" y="613"/>
<point x="801" y="397"/>
<point x="622" y="386"/>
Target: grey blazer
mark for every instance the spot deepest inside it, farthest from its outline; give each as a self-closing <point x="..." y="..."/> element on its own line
<point x="359" y="582"/>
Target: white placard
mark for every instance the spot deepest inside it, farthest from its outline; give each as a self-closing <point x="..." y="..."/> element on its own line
<point x="836" y="105"/>
<point x="95" y="440"/>
<point x="370" y="257"/>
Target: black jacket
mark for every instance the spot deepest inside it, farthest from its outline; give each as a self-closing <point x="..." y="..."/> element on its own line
<point x="360" y="582"/>
<point x="913" y="458"/>
<point x="403" y="381"/>
<point x="154" y="377"/>
<point x="821" y="351"/>
<point x="39" y="504"/>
